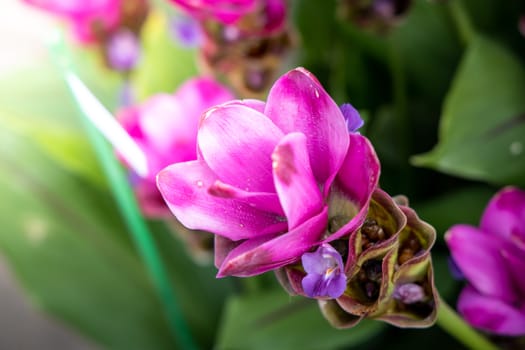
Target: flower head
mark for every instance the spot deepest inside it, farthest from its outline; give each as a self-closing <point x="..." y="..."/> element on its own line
<point x="492" y="260"/>
<point x="324" y="273"/>
<point x="123" y="50"/>
<point x="387" y="266"/>
<point x="165" y="128"/>
<point x="270" y="177"/>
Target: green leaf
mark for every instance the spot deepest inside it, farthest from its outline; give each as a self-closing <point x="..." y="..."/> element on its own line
<point x="274" y="320"/>
<point x="164" y="64"/>
<point x="34" y="102"/>
<point x="462" y="206"/>
<point x="66" y="244"/>
<point x="482" y="131"/>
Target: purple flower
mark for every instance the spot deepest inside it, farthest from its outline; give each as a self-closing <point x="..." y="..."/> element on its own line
<point x="165" y="128"/>
<point x="270" y="176"/>
<point x="409" y="293"/>
<point x="352" y="117"/>
<point x="186" y="31"/>
<point x="492" y="259"/>
<point x="123" y="50"/>
<point x="324" y="273"/>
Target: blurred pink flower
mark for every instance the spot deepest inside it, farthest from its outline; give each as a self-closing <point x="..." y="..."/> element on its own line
<point x="224" y="11"/>
<point x="270" y="176"/>
<point x="87" y="18"/>
<point x="492" y="259"/>
<point x="165" y="128"/>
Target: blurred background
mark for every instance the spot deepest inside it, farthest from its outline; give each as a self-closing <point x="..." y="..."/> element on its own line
<point x="70" y="275"/>
<point x="23" y="32"/>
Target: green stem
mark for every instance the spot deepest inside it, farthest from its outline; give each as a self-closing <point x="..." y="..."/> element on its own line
<point x="462" y="20"/>
<point x="454" y="325"/>
<point x="129" y="209"/>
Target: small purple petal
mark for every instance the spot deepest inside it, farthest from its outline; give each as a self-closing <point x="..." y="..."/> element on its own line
<point x="409" y="293"/>
<point x="186" y="31"/>
<point x="352" y="117"/>
<point x="126" y="95"/>
<point x="325" y="276"/>
<point x="123" y="50"/>
<point x="454" y="269"/>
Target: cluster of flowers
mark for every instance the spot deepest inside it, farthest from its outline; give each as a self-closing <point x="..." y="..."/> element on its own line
<point x="111" y="25"/>
<point x="289" y="185"/>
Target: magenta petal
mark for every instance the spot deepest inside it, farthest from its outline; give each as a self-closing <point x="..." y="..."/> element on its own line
<point x="479" y="258"/>
<point x="298" y="102"/>
<point x="295" y="184"/>
<point x="184" y="187"/>
<point x="515" y="260"/>
<point x="258" y="105"/>
<point x="237" y="142"/>
<point x="505" y="216"/>
<point x="359" y="173"/>
<point x="260" y="200"/>
<point x="490" y="314"/>
<point x="261" y="254"/>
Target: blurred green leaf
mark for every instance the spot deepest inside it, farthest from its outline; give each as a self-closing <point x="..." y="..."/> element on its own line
<point x="34" y="102"/>
<point x="202" y="295"/>
<point x="164" y="64"/>
<point x="65" y="241"/>
<point x="429" y="66"/>
<point x="482" y="131"/>
<point x="274" y="320"/>
<point x="462" y="206"/>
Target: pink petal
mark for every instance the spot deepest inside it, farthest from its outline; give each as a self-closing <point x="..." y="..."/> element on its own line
<point x="505" y="216"/>
<point x="260" y="200"/>
<point x="258" y="105"/>
<point x="237" y="142"/>
<point x="225" y="11"/>
<point x="169" y="127"/>
<point x="490" y="314"/>
<point x="262" y="254"/>
<point x="184" y="187"/>
<point x="479" y="258"/>
<point x="515" y="260"/>
<point x="359" y="173"/>
<point x="295" y="184"/>
<point x="298" y="102"/>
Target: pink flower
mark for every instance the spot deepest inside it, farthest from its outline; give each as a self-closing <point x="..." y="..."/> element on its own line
<point x="165" y="128"/>
<point x="224" y="11"/>
<point x="87" y="17"/>
<point x="239" y="17"/>
<point x="269" y="177"/>
<point x="492" y="259"/>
